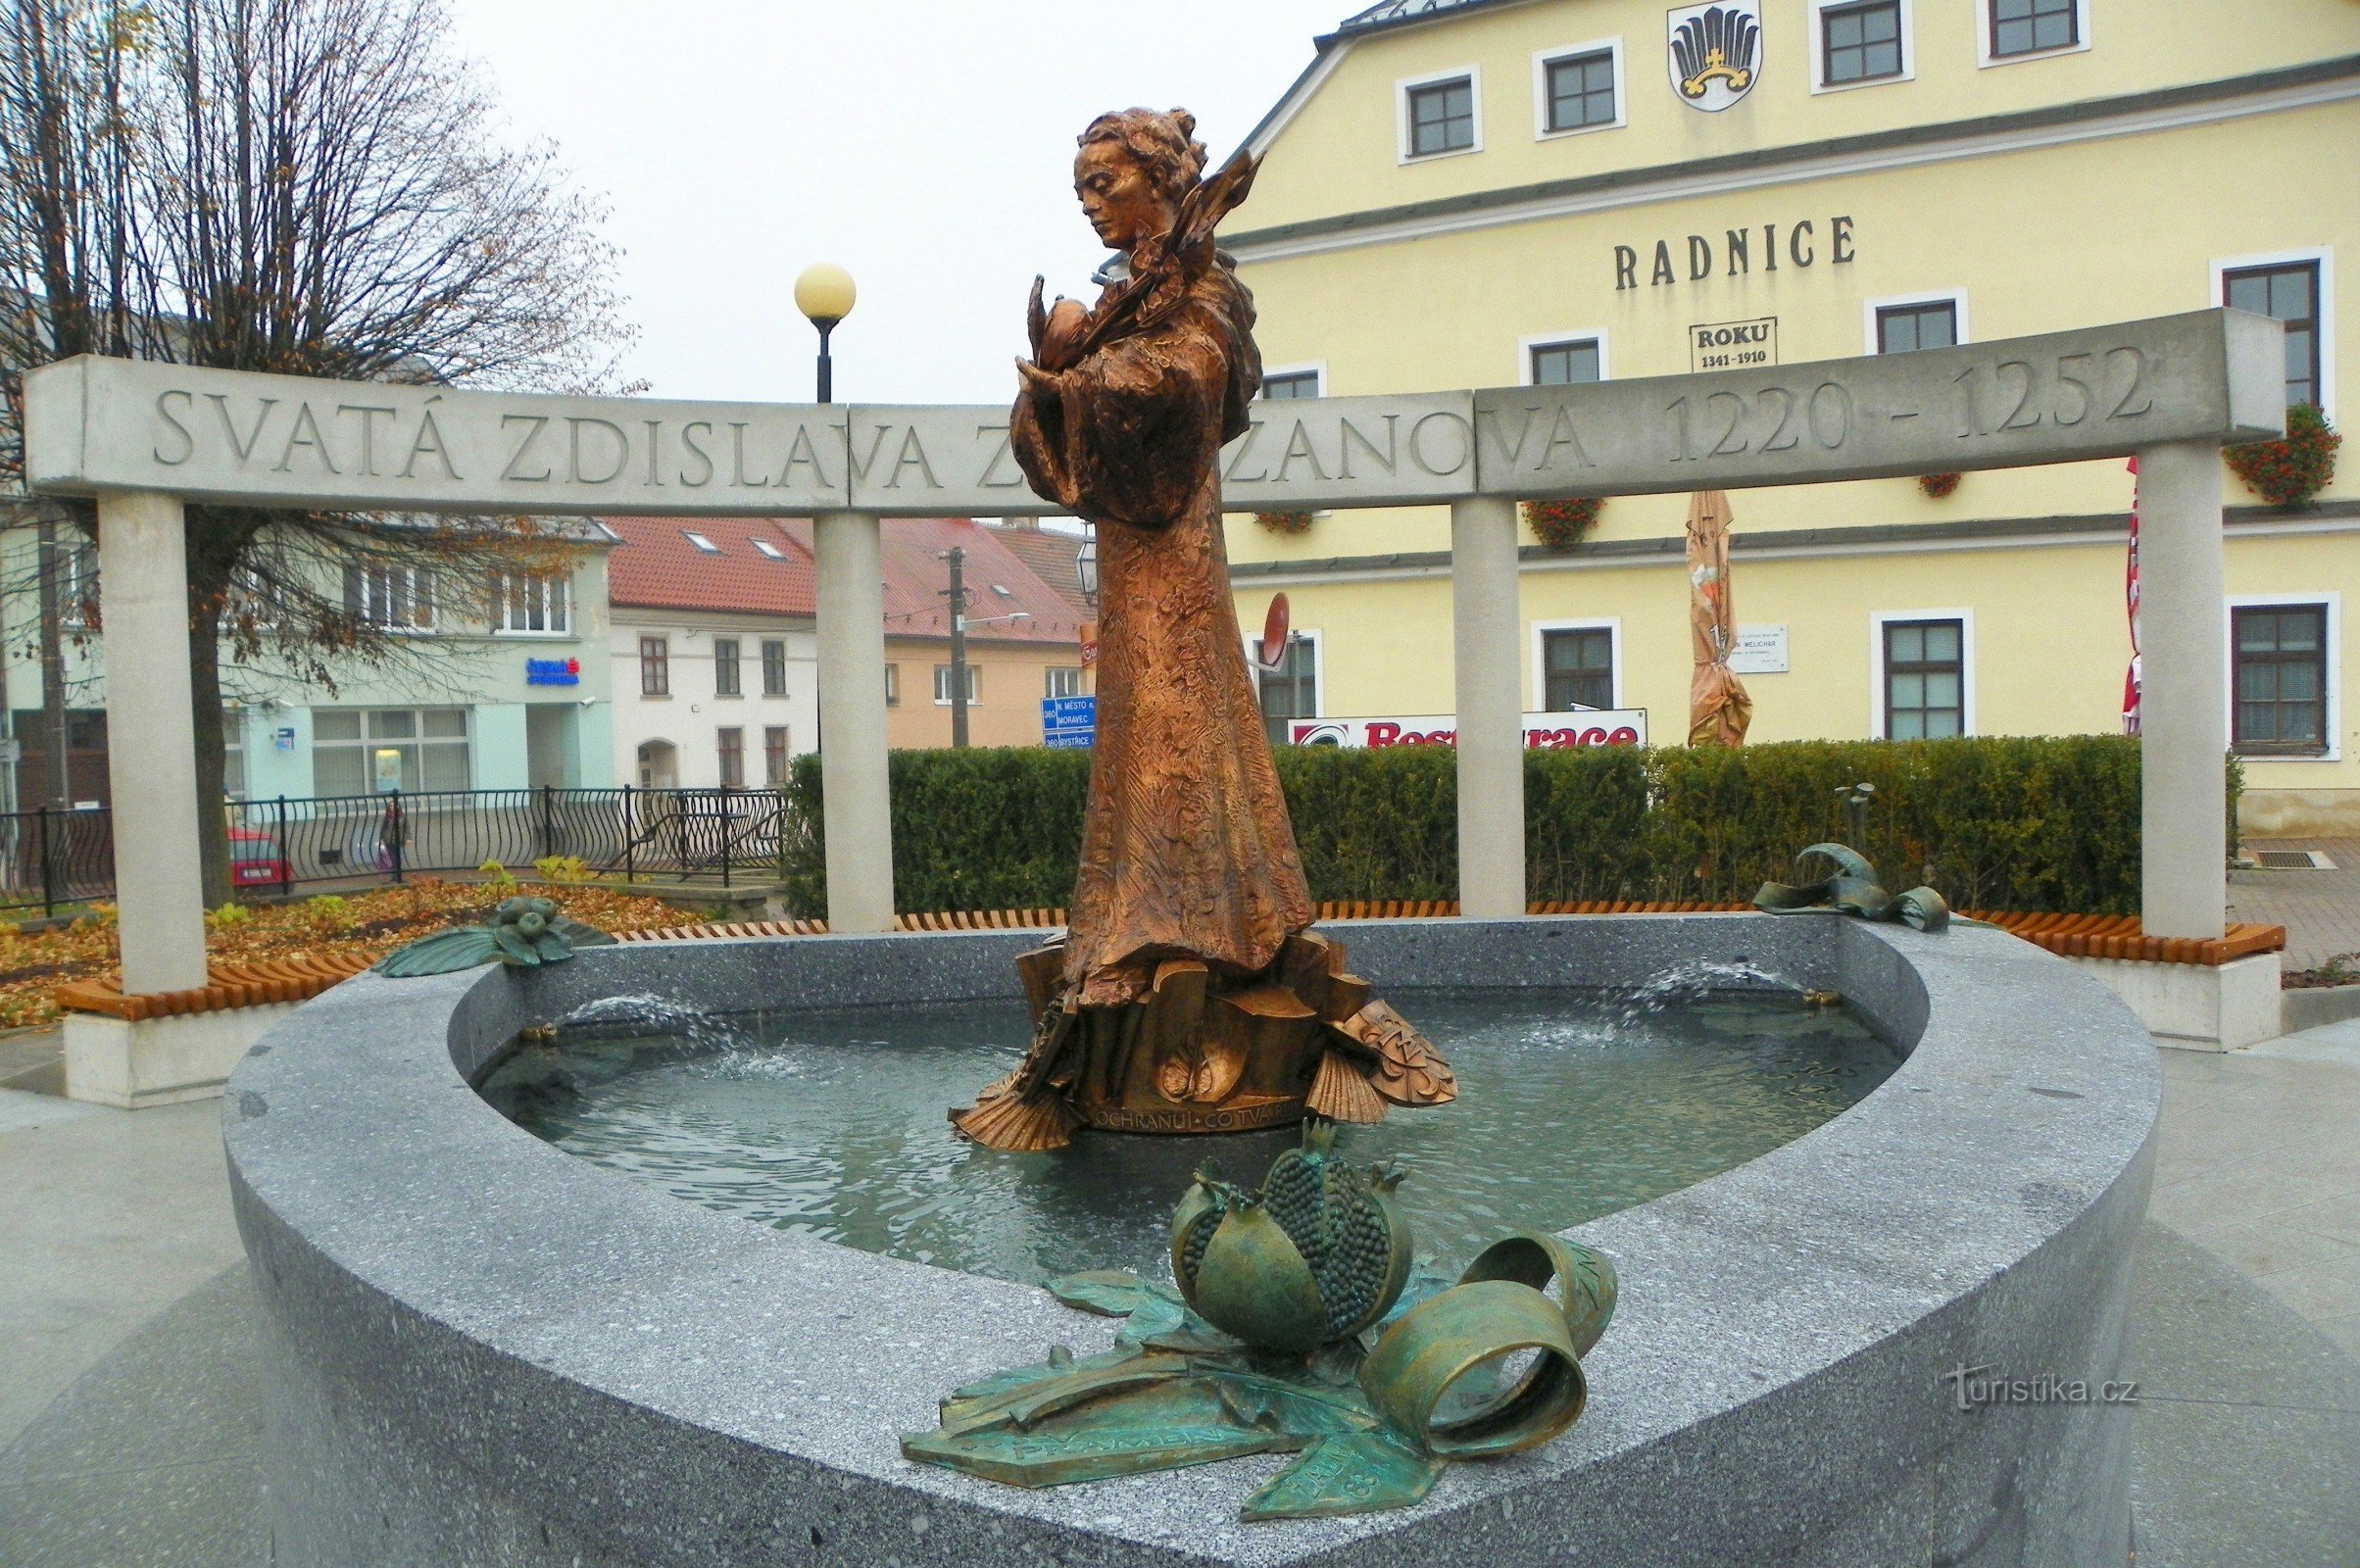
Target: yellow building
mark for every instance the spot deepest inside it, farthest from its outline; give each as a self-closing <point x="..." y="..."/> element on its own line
<point x="1490" y="192"/>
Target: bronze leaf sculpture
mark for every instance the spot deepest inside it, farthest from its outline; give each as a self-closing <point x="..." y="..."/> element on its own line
<point x="1188" y="994"/>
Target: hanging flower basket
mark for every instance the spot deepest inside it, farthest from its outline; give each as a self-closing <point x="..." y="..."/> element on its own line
<point x="1562" y="524"/>
<point x="2289" y="473"/>
<point x="1938" y="485"/>
<point x="1284" y="522"/>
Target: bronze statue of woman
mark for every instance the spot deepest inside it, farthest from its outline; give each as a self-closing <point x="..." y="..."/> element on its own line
<point x="1187" y="995"/>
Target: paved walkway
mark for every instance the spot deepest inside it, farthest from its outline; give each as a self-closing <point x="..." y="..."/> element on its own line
<point x="2320" y="909"/>
<point x="2260" y="1163"/>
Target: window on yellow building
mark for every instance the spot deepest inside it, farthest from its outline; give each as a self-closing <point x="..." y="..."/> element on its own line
<point x="1283" y="386"/>
<point x="1577" y="668"/>
<point x="1062" y="680"/>
<point x="893" y="685"/>
<point x="1860" y="42"/>
<point x="2034" y="26"/>
<point x="1580" y="91"/>
<point x="1440" y="116"/>
<point x="942" y="684"/>
<point x="1291" y="690"/>
<point x="2288" y="292"/>
<point x="1568" y="363"/>
<point x="2280" y="655"/>
<point x="1906" y="329"/>
<point x="1925" y="681"/>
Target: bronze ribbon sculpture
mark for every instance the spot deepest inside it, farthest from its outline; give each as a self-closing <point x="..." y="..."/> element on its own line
<point x="1188" y="994"/>
<point x="1853" y="890"/>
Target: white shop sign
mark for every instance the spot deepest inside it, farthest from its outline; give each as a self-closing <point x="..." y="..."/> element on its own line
<point x="1760" y="651"/>
<point x="1596" y="726"/>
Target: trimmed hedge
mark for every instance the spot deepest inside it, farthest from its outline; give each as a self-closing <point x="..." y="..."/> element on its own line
<point x="2047" y="823"/>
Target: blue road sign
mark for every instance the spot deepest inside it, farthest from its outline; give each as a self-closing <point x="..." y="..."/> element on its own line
<point x="1068" y="723"/>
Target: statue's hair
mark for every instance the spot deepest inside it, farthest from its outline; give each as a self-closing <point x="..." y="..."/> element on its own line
<point x="1164" y="144"/>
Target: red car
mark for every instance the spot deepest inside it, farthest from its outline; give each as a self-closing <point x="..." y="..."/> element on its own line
<point x="254" y="859"/>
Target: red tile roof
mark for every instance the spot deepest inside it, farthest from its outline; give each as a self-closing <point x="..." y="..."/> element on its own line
<point x="915" y="578"/>
<point x="656" y="567"/>
<point x="1050" y="556"/>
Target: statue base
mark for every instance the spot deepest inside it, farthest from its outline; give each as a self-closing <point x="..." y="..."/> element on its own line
<point x="1200" y="1053"/>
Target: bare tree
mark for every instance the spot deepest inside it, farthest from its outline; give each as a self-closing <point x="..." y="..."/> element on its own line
<point x="310" y="187"/>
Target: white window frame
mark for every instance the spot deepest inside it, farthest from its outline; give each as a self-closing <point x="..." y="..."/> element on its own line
<point x="1400" y="112"/>
<point x="81" y="579"/>
<point x="556" y="587"/>
<point x="1319" y="646"/>
<point x="1986" y="59"/>
<point x="417" y="574"/>
<point x="2324" y="257"/>
<point x="2332" y="603"/>
<point x="942" y="685"/>
<point x="1548" y="340"/>
<point x="368" y="745"/>
<point x="1316" y="369"/>
<point x="1542" y="58"/>
<point x="1819" y="43"/>
<point x="1968" y="720"/>
<point x="1956" y="298"/>
<point x="1610" y="625"/>
<point x="1075" y="670"/>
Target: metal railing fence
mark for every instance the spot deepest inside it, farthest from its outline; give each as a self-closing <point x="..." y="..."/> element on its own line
<point x="53" y="857"/>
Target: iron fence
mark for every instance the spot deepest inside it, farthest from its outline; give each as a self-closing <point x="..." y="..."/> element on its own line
<point x="52" y="857"/>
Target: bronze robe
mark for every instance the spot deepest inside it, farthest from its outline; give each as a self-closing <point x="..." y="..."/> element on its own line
<point x="1187" y="850"/>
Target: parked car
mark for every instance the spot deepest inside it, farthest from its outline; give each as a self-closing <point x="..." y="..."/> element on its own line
<point x="255" y="860"/>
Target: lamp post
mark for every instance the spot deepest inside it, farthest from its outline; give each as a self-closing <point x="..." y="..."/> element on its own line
<point x="1085" y="577"/>
<point x="825" y="294"/>
<point x="958" y="595"/>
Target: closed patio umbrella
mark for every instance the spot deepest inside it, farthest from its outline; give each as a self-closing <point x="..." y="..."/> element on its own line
<point x="1718" y="708"/>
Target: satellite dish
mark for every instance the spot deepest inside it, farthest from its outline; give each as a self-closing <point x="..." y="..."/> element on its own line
<point x="1275" y="627"/>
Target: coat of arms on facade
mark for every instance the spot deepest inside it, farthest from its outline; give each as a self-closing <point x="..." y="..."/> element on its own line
<point x="1715" y="52"/>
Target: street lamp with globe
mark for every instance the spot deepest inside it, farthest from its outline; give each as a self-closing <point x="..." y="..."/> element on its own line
<point x="825" y="294"/>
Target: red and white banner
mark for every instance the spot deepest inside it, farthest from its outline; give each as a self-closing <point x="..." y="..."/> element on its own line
<point x="1618" y="726"/>
<point x="2132" y="676"/>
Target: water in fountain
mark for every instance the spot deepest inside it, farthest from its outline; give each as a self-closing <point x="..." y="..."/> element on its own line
<point x="1695" y="979"/>
<point x="638" y="1014"/>
<point x="1572" y="1105"/>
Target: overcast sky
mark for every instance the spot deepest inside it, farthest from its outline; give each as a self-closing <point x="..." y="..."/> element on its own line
<point x="925" y="145"/>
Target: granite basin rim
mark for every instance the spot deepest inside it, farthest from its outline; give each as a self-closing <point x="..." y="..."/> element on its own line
<point x="447" y="1290"/>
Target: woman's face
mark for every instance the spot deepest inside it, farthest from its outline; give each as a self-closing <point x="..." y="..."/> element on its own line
<point x="1118" y="198"/>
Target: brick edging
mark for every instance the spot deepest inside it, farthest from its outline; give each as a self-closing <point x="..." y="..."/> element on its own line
<point x="299" y="979"/>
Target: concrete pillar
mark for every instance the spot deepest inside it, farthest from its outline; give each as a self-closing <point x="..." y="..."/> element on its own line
<point x="1487" y="634"/>
<point x="852" y="721"/>
<point x="151" y="743"/>
<point x="2183" y="707"/>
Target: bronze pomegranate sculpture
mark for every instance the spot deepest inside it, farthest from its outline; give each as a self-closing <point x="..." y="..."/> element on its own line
<point x="1318" y="1255"/>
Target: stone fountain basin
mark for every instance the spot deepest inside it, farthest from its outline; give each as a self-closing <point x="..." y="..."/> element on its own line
<point x="480" y="1349"/>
